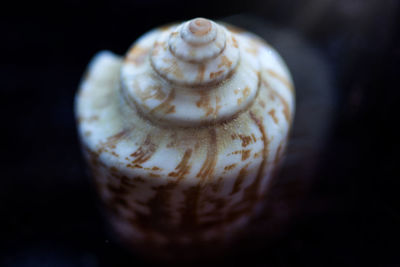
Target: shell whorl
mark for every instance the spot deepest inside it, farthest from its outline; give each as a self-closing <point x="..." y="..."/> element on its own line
<point x="190" y="75"/>
<point x="200" y="48"/>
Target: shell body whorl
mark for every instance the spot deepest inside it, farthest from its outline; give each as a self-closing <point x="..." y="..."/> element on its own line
<point x="184" y="132"/>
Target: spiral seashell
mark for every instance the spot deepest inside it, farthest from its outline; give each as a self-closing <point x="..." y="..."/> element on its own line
<point x="184" y="133"/>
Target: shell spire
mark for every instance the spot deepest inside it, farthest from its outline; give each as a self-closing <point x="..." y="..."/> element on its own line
<point x="192" y="74"/>
<point x="199" y="49"/>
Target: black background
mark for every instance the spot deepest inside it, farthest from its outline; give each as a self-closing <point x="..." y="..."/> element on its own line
<point x="48" y="215"/>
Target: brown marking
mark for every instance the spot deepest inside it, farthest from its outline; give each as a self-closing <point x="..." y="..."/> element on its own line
<point x="176" y="71"/>
<point x="273" y="115"/>
<point x="230" y="167"/>
<point x="114" y="154"/>
<point x="160" y="210"/>
<point x="246" y="140"/>
<point x="207" y="169"/>
<point x="137" y="55"/>
<point x="245" y="93"/>
<point x="134" y="166"/>
<point x="281" y="79"/>
<point x="150" y="92"/>
<point x="112" y="141"/>
<point x="144" y="152"/>
<point x="254" y="137"/>
<point x="235" y="43"/>
<point x="200" y="27"/>
<point x="262" y="103"/>
<point x="170" y="110"/>
<point x="225" y="62"/>
<point x="279" y="154"/>
<point x="285" y="104"/>
<point x="236" y="91"/>
<point x="216" y="74"/>
<point x="200" y="73"/>
<point x="252" y="50"/>
<point x="245" y="154"/>
<point x="256" y="155"/>
<point x="166" y="106"/>
<point x="156" y="169"/>
<point x="157" y="46"/>
<point x="251" y="191"/>
<point x="174" y="33"/>
<point x="204" y="103"/>
<point x="183" y="167"/>
<point x="239" y="180"/>
<point x="217" y="104"/>
<point x="250" y="194"/>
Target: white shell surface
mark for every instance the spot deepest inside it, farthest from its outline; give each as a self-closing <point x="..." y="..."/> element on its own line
<point x="175" y="162"/>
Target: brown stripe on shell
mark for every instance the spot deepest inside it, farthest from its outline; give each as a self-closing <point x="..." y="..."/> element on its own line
<point x="144" y="152"/>
<point x="273" y="115"/>
<point x="159" y="204"/>
<point x="183" y="167"/>
<point x="234" y="42"/>
<point x="157" y="220"/>
<point x="207" y="169"/>
<point x="246" y="139"/>
<point x="166" y="106"/>
<point x="252" y="189"/>
<point x="230" y="167"/>
<point x="204" y="103"/>
<point x="250" y="193"/>
<point x="150" y="92"/>
<point x="273" y="94"/>
<point x="216" y="74"/>
<point x="285" y="104"/>
<point x="282" y="79"/>
<point x="279" y="153"/>
<point x="225" y="62"/>
<point x="245" y="154"/>
<point x="217" y="105"/>
<point x="200" y="73"/>
<point x="239" y="180"/>
<point x="113" y="140"/>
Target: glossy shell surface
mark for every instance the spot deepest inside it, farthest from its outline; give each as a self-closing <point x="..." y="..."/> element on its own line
<point x="182" y="134"/>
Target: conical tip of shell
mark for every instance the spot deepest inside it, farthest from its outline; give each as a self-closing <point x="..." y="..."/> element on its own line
<point x="200" y="26"/>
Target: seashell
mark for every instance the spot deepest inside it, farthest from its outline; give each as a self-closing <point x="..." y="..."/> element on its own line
<point x="183" y="134"/>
